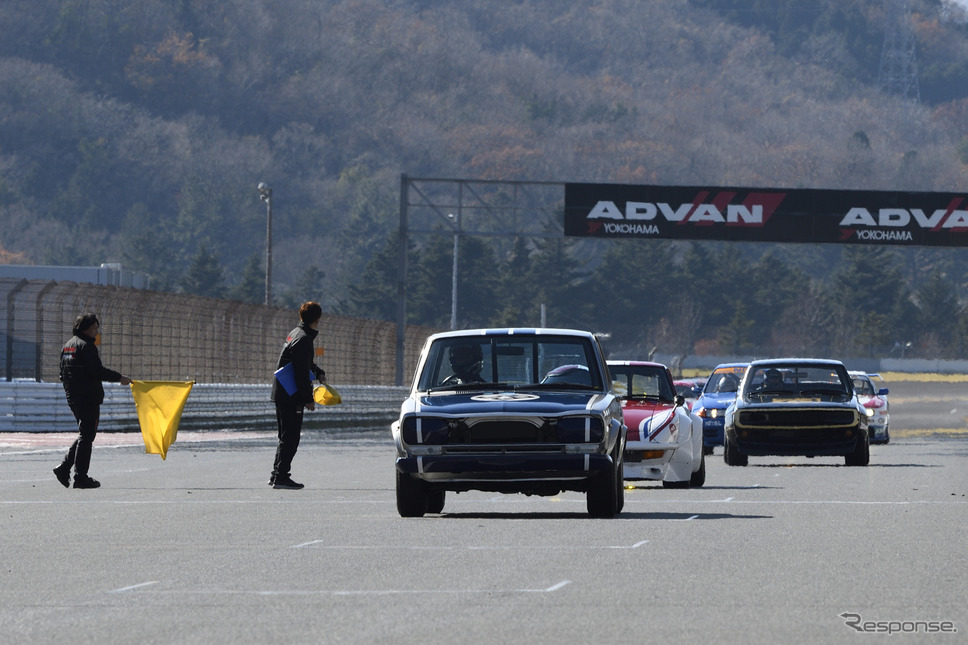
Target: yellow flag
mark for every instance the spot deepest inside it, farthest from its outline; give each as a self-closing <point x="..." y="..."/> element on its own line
<point x="160" y="405"/>
<point x="326" y="394"/>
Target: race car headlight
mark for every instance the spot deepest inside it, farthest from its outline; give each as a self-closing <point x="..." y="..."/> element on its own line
<point x="430" y="430"/>
<point x="580" y="430"/>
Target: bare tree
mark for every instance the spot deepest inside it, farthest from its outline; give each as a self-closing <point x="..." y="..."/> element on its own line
<point x="677" y="333"/>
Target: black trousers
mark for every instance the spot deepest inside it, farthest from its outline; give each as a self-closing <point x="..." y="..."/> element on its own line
<point x="79" y="455"/>
<point x="289" y="416"/>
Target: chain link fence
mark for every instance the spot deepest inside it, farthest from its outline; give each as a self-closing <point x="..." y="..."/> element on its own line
<point x="150" y="335"/>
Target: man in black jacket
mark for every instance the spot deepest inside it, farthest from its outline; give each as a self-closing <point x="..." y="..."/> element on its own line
<point x="82" y="372"/>
<point x="298" y="351"/>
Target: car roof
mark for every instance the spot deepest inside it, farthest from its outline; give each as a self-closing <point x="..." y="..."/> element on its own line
<point x="640" y="363"/>
<point x="819" y="362"/>
<point x="721" y="365"/>
<point x="511" y="331"/>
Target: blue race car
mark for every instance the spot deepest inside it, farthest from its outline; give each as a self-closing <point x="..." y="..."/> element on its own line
<point x="719" y="393"/>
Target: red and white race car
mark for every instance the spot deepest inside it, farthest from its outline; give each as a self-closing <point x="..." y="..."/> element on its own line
<point x="874" y="398"/>
<point x="664" y="438"/>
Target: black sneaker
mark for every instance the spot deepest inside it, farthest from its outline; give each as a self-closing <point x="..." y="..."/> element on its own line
<point x="287" y="483"/>
<point x="86" y="482"/>
<point x="63" y="475"/>
<point x="272" y="480"/>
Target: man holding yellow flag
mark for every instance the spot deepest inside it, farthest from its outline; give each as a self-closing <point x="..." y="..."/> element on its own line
<point x="292" y="391"/>
<point x="81" y="372"/>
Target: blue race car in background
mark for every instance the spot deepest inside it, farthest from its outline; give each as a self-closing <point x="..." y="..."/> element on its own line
<point x="719" y="393"/>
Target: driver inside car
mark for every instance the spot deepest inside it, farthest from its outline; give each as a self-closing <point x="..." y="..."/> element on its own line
<point x="727" y="383"/>
<point x="773" y="382"/>
<point x="466" y="360"/>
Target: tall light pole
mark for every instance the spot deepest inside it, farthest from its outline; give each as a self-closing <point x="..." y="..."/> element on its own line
<point x="453" y="274"/>
<point x="265" y="194"/>
<point x="453" y="288"/>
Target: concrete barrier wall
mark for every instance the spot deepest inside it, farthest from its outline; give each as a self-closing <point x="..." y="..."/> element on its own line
<point x="151" y="335"/>
<point x="869" y="365"/>
<point x="921" y="365"/>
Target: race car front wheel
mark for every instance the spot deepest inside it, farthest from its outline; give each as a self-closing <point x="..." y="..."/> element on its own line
<point x="412" y="499"/>
<point x="602" y="496"/>
<point x="435" y="501"/>
<point x="732" y="456"/>
<point x="699" y="477"/>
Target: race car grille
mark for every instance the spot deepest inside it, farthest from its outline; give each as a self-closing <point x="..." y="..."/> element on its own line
<point x="507" y="432"/>
<point x="503" y="431"/>
<point x="796" y="418"/>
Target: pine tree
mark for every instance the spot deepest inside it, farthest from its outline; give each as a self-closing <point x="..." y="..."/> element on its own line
<point x="308" y="287"/>
<point x="204" y="275"/>
<point x="252" y="286"/>
<point x="373" y="294"/>
<point x="940" y="311"/>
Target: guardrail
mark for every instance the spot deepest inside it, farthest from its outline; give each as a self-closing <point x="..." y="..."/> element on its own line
<point x="869" y="365"/>
<point x="29" y="406"/>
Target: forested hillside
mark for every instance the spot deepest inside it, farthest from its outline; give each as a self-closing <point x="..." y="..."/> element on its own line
<point x="136" y="131"/>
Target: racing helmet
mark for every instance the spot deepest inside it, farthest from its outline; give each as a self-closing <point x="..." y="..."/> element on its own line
<point x="466" y="358"/>
<point x="728" y="383"/>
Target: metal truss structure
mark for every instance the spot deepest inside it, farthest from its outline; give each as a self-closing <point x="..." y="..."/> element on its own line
<point x="498" y="209"/>
<point x="898" y="73"/>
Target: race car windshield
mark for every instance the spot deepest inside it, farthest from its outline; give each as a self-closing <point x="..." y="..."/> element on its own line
<point x="724" y="381"/>
<point x="641" y="382"/>
<point x="812" y="382"/>
<point x="511" y="360"/>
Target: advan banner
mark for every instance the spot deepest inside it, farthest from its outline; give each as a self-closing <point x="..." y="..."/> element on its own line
<point x="766" y="215"/>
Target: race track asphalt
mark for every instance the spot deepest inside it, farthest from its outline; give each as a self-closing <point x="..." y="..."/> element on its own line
<point x="197" y="548"/>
